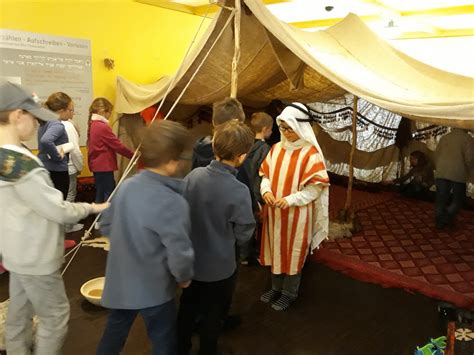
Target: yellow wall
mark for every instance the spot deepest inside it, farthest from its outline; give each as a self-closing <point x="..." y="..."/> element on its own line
<point x="146" y="42"/>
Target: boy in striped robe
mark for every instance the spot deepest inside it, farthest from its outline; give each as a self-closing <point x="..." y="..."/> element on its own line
<point x="295" y="189"/>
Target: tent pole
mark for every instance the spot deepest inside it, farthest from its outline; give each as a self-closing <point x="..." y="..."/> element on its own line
<point x="351" y="157"/>
<point x="235" y="60"/>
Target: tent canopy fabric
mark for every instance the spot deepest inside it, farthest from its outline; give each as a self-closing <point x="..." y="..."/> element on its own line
<point x="282" y="62"/>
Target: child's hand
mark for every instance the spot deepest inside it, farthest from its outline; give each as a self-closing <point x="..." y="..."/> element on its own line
<point x="99" y="207"/>
<point x="282" y="203"/>
<point x="184" y="284"/>
<point x="269" y="198"/>
<point x="61" y="153"/>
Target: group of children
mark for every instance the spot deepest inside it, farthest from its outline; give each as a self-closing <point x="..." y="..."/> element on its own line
<point x="186" y="231"/>
<point x="65" y="163"/>
<point x="164" y="230"/>
<point x="32" y="217"/>
<point x="60" y="153"/>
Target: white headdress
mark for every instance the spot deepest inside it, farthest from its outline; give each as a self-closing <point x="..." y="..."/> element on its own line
<point x="298" y="117"/>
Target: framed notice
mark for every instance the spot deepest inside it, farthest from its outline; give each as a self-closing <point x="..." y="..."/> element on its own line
<point x="47" y="64"/>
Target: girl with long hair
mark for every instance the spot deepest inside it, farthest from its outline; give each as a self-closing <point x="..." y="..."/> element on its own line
<point x="103" y="145"/>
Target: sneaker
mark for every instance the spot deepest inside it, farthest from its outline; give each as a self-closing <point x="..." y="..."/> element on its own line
<point x="74" y="228"/>
<point x="250" y="261"/>
<point x="283" y="303"/>
<point x="270" y="296"/>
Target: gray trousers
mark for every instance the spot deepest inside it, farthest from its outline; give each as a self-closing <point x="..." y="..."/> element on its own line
<point x="72" y="192"/>
<point x="286" y="284"/>
<point x="43" y="296"/>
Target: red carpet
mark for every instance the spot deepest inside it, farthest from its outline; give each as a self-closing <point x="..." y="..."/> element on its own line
<point x="400" y="247"/>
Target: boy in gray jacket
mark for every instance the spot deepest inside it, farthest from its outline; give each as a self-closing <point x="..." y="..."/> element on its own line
<point x="221" y="216"/>
<point x="150" y="249"/>
<point x="32" y="219"/>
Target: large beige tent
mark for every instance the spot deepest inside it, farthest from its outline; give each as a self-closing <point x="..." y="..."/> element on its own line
<point x="281" y="62"/>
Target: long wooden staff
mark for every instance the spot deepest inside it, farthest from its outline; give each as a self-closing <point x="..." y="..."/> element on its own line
<point x="351" y="157"/>
<point x="236" y="58"/>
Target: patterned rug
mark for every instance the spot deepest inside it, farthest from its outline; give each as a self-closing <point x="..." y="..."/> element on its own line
<point x="399" y="246"/>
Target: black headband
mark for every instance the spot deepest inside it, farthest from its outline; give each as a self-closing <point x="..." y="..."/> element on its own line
<point x="307" y="112"/>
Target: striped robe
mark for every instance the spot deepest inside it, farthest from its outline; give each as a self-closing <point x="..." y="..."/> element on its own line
<point x="287" y="233"/>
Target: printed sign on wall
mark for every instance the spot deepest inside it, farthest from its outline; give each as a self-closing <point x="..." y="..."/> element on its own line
<point x="47" y="64"/>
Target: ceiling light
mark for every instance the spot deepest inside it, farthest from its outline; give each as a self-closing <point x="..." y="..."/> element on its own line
<point x="452" y="22"/>
<point x="413" y="5"/>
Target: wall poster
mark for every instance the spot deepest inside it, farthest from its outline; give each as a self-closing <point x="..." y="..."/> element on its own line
<point x="47" y="64"/>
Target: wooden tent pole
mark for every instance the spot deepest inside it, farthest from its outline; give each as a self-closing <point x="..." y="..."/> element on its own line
<point x="351" y="157"/>
<point x="235" y="60"/>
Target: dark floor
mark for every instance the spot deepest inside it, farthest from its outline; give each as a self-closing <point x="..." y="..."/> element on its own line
<point x="335" y="315"/>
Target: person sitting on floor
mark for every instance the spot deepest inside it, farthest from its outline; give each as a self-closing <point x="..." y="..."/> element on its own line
<point x="418" y="181"/>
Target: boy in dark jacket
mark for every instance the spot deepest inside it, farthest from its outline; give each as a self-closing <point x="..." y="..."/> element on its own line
<point x="150" y="250"/>
<point x="221" y="216"/>
<point x="262" y="125"/>
<point x="222" y="112"/>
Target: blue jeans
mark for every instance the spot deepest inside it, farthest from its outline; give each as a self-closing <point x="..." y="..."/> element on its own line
<point x="449" y="200"/>
<point x="160" y="322"/>
<point x="104" y="185"/>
